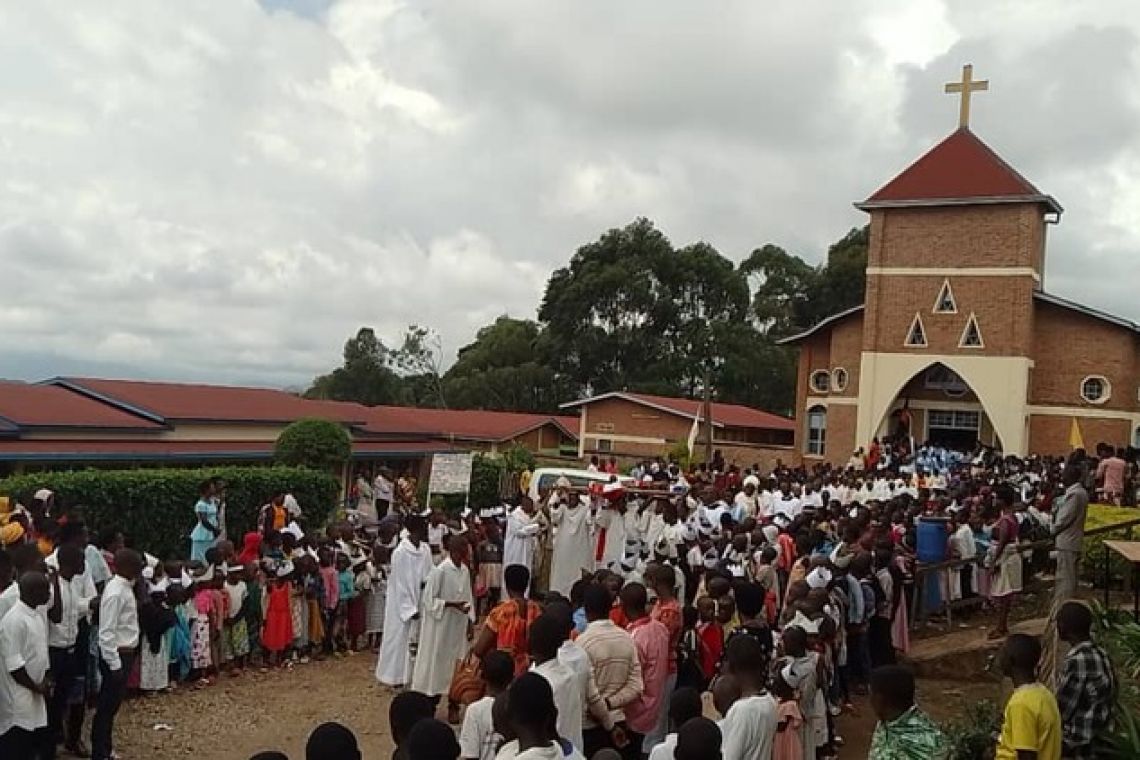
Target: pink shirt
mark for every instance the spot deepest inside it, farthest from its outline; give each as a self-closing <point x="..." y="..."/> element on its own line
<point x="651" y="638"/>
<point x="1112" y="470"/>
<point x="332" y="587"/>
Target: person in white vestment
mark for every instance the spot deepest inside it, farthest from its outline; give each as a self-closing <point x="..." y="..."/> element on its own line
<point x="573" y="541"/>
<point x="448" y="608"/>
<point x="411" y="564"/>
<point x="520" y="539"/>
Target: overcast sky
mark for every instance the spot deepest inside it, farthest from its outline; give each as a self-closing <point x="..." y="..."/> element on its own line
<point x="224" y="190"/>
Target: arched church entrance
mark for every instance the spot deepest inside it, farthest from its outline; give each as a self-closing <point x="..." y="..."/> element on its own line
<point x="937" y="407"/>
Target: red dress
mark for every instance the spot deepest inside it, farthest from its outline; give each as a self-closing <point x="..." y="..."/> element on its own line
<point x="713" y="637"/>
<point x="277" y="634"/>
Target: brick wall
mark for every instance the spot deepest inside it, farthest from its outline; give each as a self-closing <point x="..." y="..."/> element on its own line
<point x="1003" y="307"/>
<point x="1069" y="346"/>
<point x="999" y="235"/>
<point x="628" y="418"/>
<point x="1049" y="434"/>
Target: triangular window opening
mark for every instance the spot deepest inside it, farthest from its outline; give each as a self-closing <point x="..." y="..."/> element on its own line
<point x="945" y="304"/>
<point x="971" y="336"/>
<point x="916" y="335"/>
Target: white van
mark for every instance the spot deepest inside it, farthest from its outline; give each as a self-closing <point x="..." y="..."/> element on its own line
<point x="544" y="478"/>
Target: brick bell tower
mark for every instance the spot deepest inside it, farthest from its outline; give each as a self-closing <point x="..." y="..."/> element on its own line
<point x="957" y="248"/>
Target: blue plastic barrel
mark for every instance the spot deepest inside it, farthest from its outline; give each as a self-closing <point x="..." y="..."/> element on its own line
<point x="931" y="539"/>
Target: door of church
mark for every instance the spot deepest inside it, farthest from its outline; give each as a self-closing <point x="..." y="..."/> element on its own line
<point x="953" y="428"/>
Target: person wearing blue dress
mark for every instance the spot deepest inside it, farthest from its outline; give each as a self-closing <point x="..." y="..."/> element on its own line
<point x="205" y="533"/>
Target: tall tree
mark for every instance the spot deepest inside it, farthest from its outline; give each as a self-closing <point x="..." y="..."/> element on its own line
<point x="505" y="369"/>
<point x="792" y="295"/>
<point x="366" y="376"/>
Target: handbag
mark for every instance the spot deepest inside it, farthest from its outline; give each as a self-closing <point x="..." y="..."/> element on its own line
<point x="467" y="683"/>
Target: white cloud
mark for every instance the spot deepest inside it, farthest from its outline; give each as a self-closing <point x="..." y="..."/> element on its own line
<point x="227" y="190"/>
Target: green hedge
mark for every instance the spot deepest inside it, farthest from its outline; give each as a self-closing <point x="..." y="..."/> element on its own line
<point x="156" y="507"/>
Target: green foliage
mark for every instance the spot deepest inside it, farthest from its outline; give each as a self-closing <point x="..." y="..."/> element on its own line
<point x="1119" y="634"/>
<point x="971" y="737"/>
<point x="518" y="458"/>
<point x="504" y="369"/>
<point x="631" y="312"/>
<point x="316" y="443"/>
<point x="679" y="453"/>
<point x="793" y="295"/>
<point x="156" y="507"/>
<point x="366" y="376"/>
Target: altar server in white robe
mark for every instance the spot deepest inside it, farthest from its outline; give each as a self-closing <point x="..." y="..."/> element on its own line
<point x="448" y="607"/>
<point x="522" y="532"/>
<point x="573" y="540"/>
<point x="612" y="519"/>
<point x="411" y="564"/>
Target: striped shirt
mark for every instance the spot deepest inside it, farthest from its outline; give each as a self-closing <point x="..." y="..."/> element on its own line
<point x="617" y="671"/>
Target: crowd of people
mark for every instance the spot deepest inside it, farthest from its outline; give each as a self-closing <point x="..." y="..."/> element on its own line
<point x="587" y="623"/>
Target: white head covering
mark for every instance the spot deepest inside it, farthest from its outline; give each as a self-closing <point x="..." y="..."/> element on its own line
<point x="158" y="588"/>
<point x="819" y="577"/>
<point x="284" y="569"/>
<point x="294" y="529"/>
<point x="291" y="505"/>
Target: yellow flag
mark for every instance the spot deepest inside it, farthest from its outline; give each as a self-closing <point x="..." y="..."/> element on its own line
<point x="1076" y="441"/>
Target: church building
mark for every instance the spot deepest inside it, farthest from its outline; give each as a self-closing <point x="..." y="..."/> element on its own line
<point x="957" y="340"/>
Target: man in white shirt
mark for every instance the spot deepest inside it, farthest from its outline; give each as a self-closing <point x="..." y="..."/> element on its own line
<point x="749" y="726"/>
<point x="745" y="503"/>
<point x="118" y="643"/>
<point x="23" y="678"/>
<point x="545" y="637"/>
<point x="75" y="592"/>
<point x="521" y="536"/>
<point x="477" y="737"/>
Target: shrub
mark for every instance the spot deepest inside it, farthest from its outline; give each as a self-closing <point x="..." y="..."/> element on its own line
<point x="155" y="507"/>
<point x="971" y="737"/>
<point x="316" y="443"/>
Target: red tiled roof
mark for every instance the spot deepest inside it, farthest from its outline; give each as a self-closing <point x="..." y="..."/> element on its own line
<point x="959" y="168"/>
<point x="726" y="415"/>
<point x="215" y="403"/>
<point x="30" y="406"/>
<point x="469" y="424"/>
<point x="46" y="450"/>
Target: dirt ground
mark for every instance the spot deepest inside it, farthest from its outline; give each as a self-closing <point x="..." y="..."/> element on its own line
<point x="237" y="717"/>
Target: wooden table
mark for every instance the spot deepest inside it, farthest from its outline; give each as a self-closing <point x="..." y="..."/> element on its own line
<point x="1130" y="551"/>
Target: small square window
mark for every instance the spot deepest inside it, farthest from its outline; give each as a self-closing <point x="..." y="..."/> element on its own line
<point x="605" y="445"/>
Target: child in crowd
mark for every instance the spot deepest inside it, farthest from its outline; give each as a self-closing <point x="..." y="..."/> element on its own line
<point x="235" y="638"/>
<point x="254" y="609"/>
<point x="346" y="592"/>
<point x="711" y="634"/>
<point x="789" y="719"/>
<point x="277" y="634"/>
<point x="358" y="605"/>
<point x="377" y="595"/>
<point x="330" y="584"/>
<point x="299" y="609"/>
<point x="477" y="737"/>
<point x="202" y="626"/>
<point x="489" y="557"/>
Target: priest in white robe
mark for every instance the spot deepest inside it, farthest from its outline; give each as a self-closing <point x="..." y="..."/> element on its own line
<point x="448" y="607"/>
<point x="521" y="536"/>
<point x="411" y="564"/>
<point x="573" y="541"/>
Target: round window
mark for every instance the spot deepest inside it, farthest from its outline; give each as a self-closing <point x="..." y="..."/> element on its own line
<point x="820" y="381"/>
<point x="1095" y="389"/>
<point x="839" y="379"/>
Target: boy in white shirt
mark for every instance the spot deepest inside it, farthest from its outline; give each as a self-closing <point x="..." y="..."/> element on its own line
<point x="477" y="737"/>
<point x="749" y="727"/>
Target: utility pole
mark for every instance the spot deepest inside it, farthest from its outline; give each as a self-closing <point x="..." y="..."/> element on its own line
<point x="707" y="412"/>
